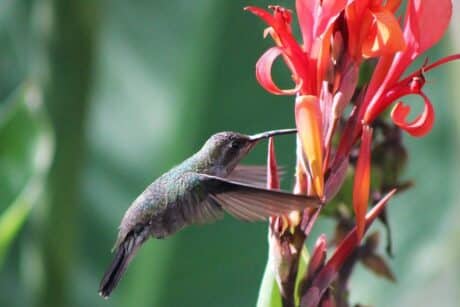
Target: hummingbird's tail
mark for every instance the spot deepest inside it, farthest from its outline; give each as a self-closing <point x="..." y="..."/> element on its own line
<point x="124" y="252"/>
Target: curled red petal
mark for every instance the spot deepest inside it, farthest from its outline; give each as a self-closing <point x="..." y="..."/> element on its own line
<point x="421" y="125"/>
<point x="264" y="73"/>
<point x="362" y="181"/>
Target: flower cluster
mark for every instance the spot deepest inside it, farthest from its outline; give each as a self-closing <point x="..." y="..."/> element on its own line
<point x="334" y="112"/>
<point x="338" y="38"/>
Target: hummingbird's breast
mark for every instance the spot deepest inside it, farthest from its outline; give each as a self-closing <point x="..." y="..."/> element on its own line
<point x="160" y="207"/>
<point x="163" y="205"/>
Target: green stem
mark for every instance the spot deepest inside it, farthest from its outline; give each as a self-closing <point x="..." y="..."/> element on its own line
<point x="71" y="61"/>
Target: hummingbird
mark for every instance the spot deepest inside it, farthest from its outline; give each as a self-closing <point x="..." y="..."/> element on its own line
<point x="198" y="191"/>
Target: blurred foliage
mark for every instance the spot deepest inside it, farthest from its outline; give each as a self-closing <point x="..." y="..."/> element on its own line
<point x="26" y="147"/>
<point x="134" y="88"/>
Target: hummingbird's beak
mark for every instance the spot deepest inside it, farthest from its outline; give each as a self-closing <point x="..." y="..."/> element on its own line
<point x="265" y="135"/>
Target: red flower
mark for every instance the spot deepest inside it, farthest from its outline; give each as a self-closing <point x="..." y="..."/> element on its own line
<point x="425" y="23"/>
<point x="304" y="61"/>
<point x="337" y="37"/>
<point x="373" y="30"/>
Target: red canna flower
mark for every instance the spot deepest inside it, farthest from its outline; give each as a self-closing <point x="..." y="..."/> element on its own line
<point x="337" y="37"/>
<point x="425" y="23"/>
<point x="424" y="26"/>
<point x="325" y="76"/>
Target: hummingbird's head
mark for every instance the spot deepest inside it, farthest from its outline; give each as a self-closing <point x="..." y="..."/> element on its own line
<point x="226" y="149"/>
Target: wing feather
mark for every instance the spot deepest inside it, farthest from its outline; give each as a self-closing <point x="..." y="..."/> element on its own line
<point x="252" y="203"/>
<point x="254" y="175"/>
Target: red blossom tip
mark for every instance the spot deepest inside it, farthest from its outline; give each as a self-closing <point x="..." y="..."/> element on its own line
<point x="362" y="181"/>
<point x="273" y="180"/>
<point x="346" y="247"/>
<point x="318" y="256"/>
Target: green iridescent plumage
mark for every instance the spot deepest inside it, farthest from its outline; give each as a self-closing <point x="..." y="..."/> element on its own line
<point x="197" y="191"/>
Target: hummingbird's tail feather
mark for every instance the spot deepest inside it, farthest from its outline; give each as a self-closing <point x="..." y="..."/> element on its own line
<point x="123" y="255"/>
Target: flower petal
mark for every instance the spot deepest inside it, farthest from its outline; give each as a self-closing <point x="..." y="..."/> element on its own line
<point x="426" y="23"/>
<point x="357" y="26"/>
<point x="393" y="5"/>
<point x="308" y="122"/>
<point x="362" y="181"/>
<point x="262" y="14"/>
<point x="316" y="16"/>
<point x="318" y="257"/>
<point x="273" y="180"/>
<point x="264" y="73"/>
<point x="343" y="251"/>
<point x="305" y="11"/>
<point x="421" y="125"/>
<point x="385" y="36"/>
<point x="335" y="180"/>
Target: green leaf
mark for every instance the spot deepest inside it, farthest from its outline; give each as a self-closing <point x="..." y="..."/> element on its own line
<point x="301" y="272"/>
<point x="269" y="294"/>
<point x="26" y="149"/>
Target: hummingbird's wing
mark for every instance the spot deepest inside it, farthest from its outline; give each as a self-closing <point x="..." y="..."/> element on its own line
<point x="251" y="203"/>
<point x="254" y="175"/>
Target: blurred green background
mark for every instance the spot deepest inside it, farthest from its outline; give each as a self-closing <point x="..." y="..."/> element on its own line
<point x="98" y="98"/>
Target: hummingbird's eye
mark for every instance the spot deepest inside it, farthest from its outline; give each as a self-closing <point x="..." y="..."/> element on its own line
<point x="236" y="144"/>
